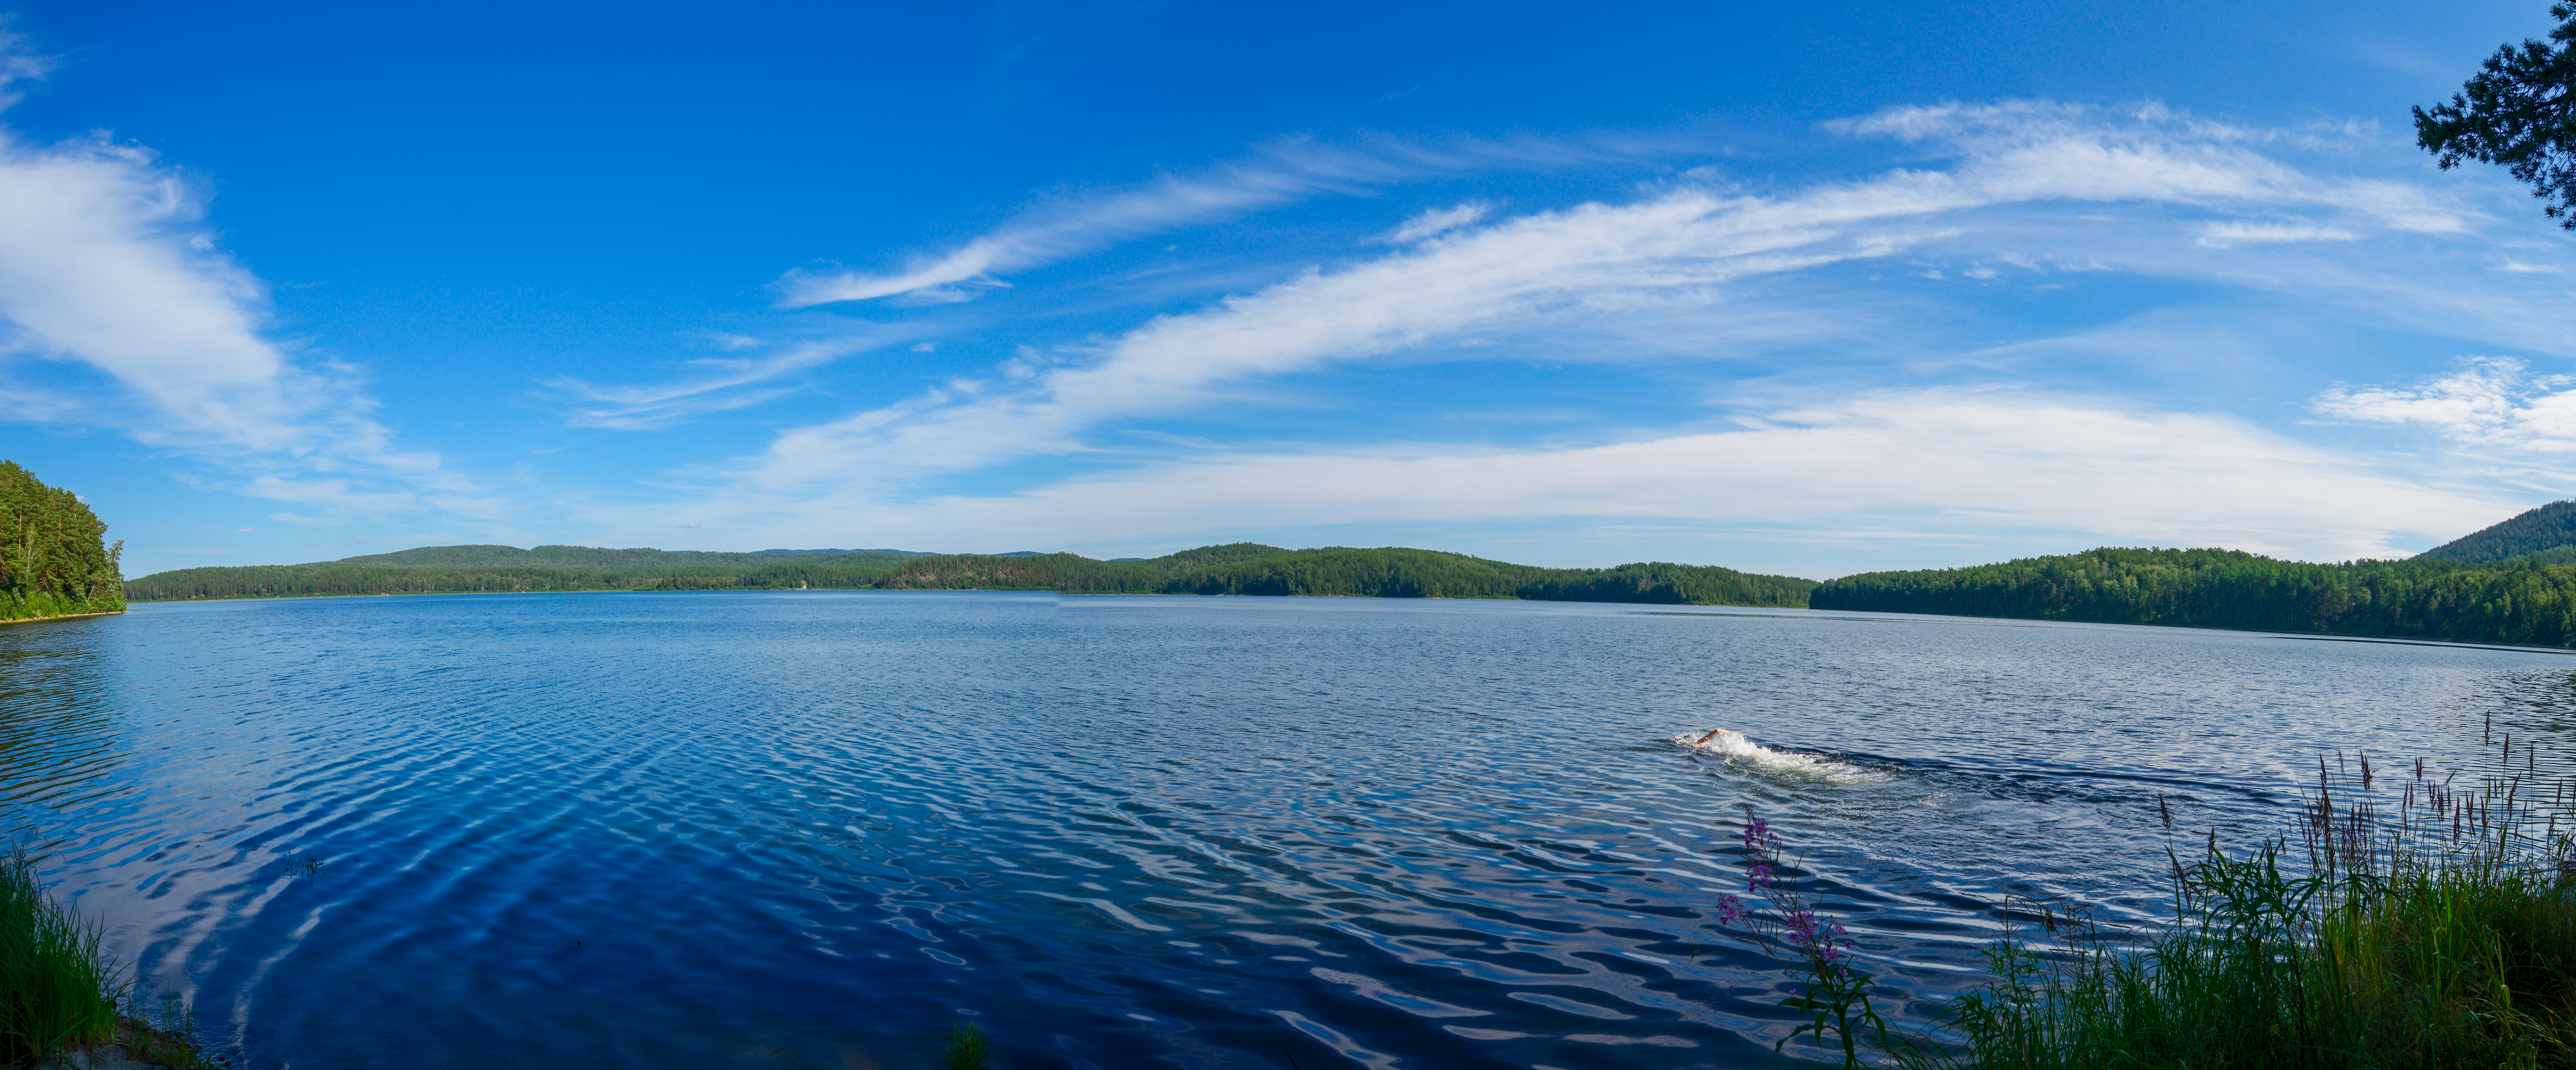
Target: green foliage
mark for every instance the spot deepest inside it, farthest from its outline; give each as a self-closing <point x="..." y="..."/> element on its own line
<point x="2526" y="601"/>
<point x="1237" y="568"/>
<point x="164" y="1036"/>
<point x="1069" y="573"/>
<point x="1833" y="991"/>
<point x="2519" y="111"/>
<point x="968" y="1048"/>
<point x="442" y="556"/>
<point x="57" y="989"/>
<point x="1209" y="556"/>
<point x="54" y="556"/>
<point x="1394" y="572"/>
<point x="1381" y="573"/>
<point x="1669" y="584"/>
<point x="1388" y="572"/>
<point x="483" y="570"/>
<point x="2396" y="946"/>
<point x="594" y="558"/>
<point x="293" y="581"/>
<point x="2551" y="527"/>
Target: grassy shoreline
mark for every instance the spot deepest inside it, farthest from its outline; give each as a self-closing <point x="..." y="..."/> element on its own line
<point x="2412" y="925"/>
<point x="61" y="616"/>
<point x="1241" y="568"/>
<point x="61" y="993"/>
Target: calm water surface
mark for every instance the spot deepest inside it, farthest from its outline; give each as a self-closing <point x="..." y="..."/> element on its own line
<point x="818" y="829"/>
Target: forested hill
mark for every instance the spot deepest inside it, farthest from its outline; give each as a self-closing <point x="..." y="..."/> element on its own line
<point x="56" y="560"/>
<point x="500" y="569"/>
<point x="2527" y="601"/>
<point x="1238" y="568"/>
<point x="595" y="557"/>
<point x="1389" y="572"/>
<point x="2550" y="527"/>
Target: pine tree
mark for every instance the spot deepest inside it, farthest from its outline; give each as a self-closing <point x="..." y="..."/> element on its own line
<point x="2518" y="111"/>
<point x="54" y="555"/>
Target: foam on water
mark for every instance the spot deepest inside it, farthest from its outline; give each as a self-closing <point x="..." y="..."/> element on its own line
<point x="1740" y="751"/>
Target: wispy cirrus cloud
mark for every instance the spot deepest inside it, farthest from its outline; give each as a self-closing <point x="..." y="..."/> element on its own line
<point x="2222" y="235"/>
<point x="1438" y="221"/>
<point x="2033" y="195"/>
<point x="106" y="264"/>
<point x="1066" y="226"/>
<point x="1683" y="248"/>
<point x="725" y="383"/>
<point x="2039" y="150"/>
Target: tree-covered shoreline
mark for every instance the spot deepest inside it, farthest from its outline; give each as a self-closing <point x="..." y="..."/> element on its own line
<point x="56" y="561"/>
<point x="2526" y="601"/>
<point x="2513" y="583"/>
<point x="1240" y="568"/>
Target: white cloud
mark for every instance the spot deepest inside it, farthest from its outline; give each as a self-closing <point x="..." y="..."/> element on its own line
<point x="632" y="408"/>
<point x="1058" y="228"/>
<point x="1995" y="462"/>
<point x="2222" y="235"/>
<point x="2488" y="401"/>
<point x="1436" y="222"/>
<point x="105" y="264"/>
<point x="2037" y="150"/>
<point x="1684" y="247"/>
<point x="1065" y="227"/>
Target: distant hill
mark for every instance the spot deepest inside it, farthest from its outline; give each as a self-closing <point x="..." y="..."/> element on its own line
<point x="587" y="557"/>
<point x="491" y="569"/>
<point x="2528" y="600"/>
<point x="1235" y="568"/>
<point x="837" y="553"/>
<point x="1383" y="572"/>
<point x="2550" y="527"/>
<point x="2514" y="582"/>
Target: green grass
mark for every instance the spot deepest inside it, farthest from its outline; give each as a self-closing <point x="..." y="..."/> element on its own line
<point x="165" y="1036"/>
<point x="57" y="989"/>
<point x="968" y="1048"/>
<point x="2439" y="933"/>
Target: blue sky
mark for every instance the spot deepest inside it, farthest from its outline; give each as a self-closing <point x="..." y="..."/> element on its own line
<point x="1799" y="291"/>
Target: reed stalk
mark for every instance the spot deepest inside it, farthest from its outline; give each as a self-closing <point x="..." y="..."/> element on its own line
<point x="58" y="989"/>
<point x="2434" y="929"/>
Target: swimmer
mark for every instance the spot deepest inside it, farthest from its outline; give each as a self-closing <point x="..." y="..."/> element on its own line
<point x="1706" y="739"/>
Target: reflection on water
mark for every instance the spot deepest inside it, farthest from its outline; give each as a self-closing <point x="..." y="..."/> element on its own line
<point x="781" y="830"/>
<point x="59" y="736"/>
<point x="2539" y="705"/>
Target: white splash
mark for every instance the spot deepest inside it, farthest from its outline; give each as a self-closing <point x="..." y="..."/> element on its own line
<point x="1737" y="750"/>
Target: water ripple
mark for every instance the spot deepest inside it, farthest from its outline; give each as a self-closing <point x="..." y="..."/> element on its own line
<point x="716" y="830"/>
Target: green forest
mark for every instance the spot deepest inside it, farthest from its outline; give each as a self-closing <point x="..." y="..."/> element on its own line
<point x="507" y="569"/>
<point x="1239" y="568"/>
<point x="57" y="561"/>
<point x="2523" y="601"/>
<point x="2513" y="583"/>
<point x="2550" y="529"/>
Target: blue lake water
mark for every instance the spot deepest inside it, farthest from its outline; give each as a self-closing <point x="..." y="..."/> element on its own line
<point x="819" y="829"/>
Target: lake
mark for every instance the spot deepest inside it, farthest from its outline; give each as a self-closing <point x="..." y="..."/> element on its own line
<point x="819" y="829"/>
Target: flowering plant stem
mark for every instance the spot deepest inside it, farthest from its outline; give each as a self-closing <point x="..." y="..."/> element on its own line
<point x="1833" y="993"/>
